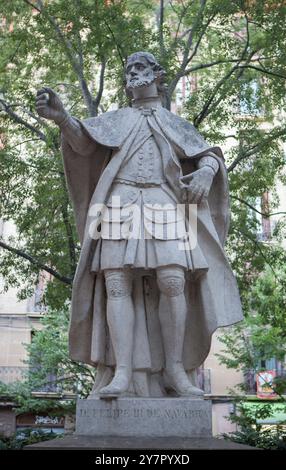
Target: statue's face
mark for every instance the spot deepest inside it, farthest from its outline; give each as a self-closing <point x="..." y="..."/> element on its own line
<point x="139" y="73"/>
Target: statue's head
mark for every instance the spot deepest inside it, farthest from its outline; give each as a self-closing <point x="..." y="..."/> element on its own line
<point x="142" y="69"/>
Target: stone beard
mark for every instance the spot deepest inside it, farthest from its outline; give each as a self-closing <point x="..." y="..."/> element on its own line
<point x="144" y="310"/>
<point x="143" y="78"/>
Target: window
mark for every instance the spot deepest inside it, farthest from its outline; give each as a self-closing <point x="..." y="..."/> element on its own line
<point x="249" y="99"/>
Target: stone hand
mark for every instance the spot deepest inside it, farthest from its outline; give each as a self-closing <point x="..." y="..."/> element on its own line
<point x="197" y="184"/>
<point x="50" y="106"/>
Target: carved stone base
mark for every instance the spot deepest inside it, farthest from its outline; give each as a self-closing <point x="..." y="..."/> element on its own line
<point x="144" y="417"/>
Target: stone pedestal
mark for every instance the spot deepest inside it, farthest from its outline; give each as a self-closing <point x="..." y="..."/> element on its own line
<point x="142" y="423"/>
<point x="144" y="417"/>
<point x="111" y="444"/>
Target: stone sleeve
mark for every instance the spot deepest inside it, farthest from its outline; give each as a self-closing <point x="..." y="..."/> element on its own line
<point x="210" y="161"/>
<point x="74" y="134"/>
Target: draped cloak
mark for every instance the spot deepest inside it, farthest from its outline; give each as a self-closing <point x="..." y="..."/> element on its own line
<point x="213" y="299"/>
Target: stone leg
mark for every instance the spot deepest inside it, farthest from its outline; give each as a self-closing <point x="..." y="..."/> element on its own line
<point x="172" y="314"/>
<point x="120" y="319"/>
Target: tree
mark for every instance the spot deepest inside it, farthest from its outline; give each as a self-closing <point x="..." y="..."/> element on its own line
<point x="81" y="50"/>
<point x="231" y="57"/>
<point x="50" y="370"/>
<point x="262" y="334"/>
<point x="247" y="347"/>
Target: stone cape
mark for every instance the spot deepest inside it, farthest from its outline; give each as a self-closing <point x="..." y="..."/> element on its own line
<point x="209" y="303"/>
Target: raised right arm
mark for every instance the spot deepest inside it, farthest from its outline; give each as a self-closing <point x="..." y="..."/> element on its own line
<point x="50" y="106"/>
<point x="73" y="132"/>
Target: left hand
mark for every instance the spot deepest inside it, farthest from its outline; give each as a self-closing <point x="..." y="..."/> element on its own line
<point x="197" y="184"/>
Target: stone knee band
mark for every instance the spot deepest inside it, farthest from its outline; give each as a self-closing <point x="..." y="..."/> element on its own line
<point x="118" y="283"/>
<point x="171" y="282"/>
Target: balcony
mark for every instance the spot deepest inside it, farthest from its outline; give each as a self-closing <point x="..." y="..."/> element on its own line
<point x="251" y="381"/>
<point x="12" y="374"/>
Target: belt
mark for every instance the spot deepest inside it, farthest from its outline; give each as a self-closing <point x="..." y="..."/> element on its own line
<point x="140" y="184"/>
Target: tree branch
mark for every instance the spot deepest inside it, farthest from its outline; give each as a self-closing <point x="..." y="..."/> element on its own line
<point x="32" y="5"/>
<point x="210" y="104"/>
<point x="258" y="246"/>
<point x="115" y="42"/>
<point x="207" y="106"/>
<point x="96" y="101"/>
<point x="35" y="262"/>
<point x="160" y="27"/>
<point x="263" y="70"/>
<point x="24" y="142"/>
<point x="200" y="39"/>
<point x="186" y="59"/>
<point x="39" y="120"/>
<point x="255" y="148"/>
<point x="16" y="118"/>
<point x="87" y="96"/>
<point x="263" y="214"/>
<point x="191" y="34"/>
<point x="76" y="62"/>
<point x="184" y="10"/>
<point x="224" y="61"/>
<point x="11" y="57"/>
<point x="207" y="65"/>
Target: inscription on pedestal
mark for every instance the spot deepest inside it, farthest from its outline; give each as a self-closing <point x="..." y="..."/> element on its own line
<point x="144" y="417"/>
<point x="142" y="413"/>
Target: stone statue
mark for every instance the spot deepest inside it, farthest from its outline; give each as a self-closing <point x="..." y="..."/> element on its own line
<point x="144" y="308"/>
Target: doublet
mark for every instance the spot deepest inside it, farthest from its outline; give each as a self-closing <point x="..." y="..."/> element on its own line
<point x="143" y="164"/>
<point x="143" y="225"/>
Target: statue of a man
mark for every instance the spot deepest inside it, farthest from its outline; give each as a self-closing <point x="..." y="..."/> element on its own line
<point x="144" y="308"/>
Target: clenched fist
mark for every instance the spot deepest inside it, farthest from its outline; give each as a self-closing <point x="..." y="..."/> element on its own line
<point x="50" y="106"/>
